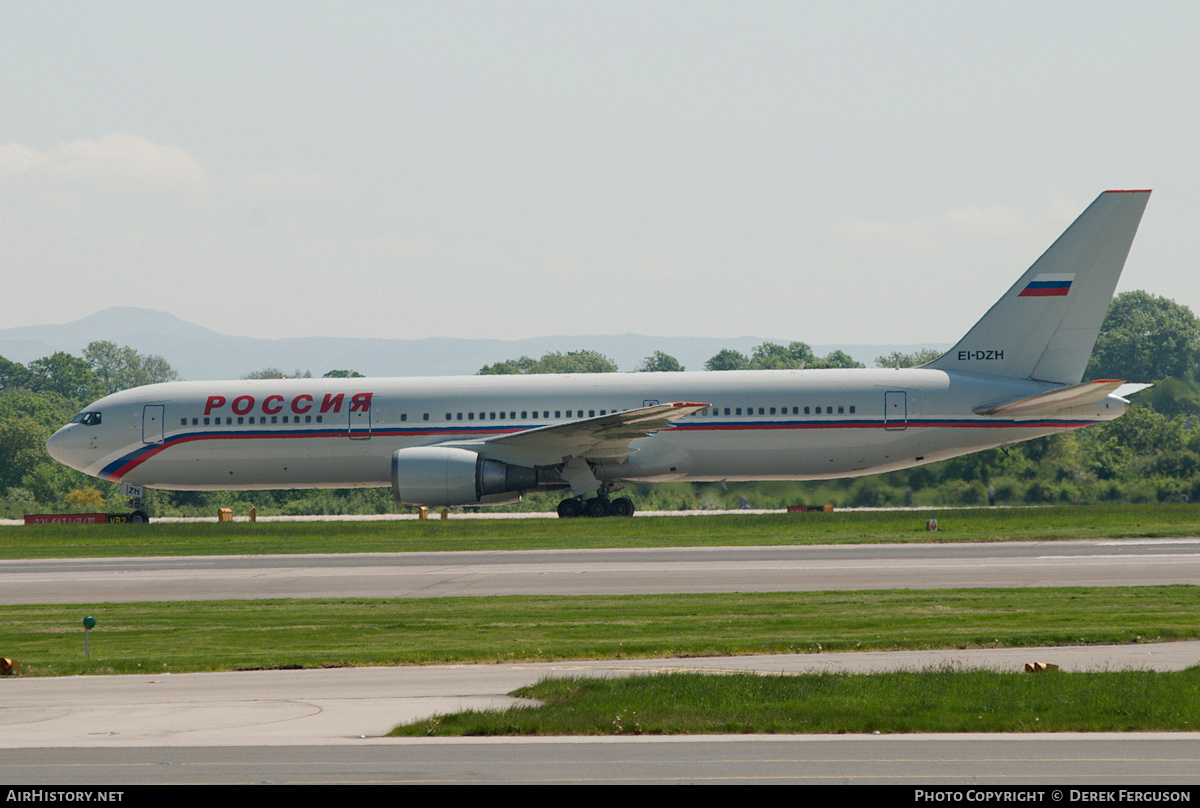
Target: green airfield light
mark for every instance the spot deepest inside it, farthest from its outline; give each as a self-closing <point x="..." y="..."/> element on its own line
<point x="89" y="623"/>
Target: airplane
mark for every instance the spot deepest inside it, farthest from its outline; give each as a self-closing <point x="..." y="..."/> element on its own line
<point x="487" y="440"/>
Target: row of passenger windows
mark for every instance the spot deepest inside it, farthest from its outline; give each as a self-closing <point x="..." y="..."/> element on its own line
<point x="712" y="412"/>
<point x="250" y="419"/>
<point x="512" y="415"/>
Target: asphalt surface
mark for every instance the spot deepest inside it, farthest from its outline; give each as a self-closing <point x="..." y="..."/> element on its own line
<point x="326" y="725"/>
<point x="1111" y="562"/>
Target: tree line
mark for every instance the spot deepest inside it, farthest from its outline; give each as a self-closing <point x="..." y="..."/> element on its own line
<point x="1151" y="454"/>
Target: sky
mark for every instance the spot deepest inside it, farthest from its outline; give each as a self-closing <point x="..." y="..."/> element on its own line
<point x="831" y="172"/>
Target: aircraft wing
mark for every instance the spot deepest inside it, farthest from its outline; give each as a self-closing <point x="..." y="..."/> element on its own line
<point x="1052" y="401"/>
<point x="606" y="437"/>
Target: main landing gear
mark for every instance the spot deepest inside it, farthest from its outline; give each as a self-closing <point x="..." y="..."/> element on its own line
<point x="596" y="506"/>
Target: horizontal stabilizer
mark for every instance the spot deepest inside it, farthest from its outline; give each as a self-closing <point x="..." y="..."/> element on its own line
<point x="1052" y="401"/>
<point x="1126" y="390"/>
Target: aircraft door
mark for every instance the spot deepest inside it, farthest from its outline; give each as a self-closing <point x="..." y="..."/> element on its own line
<point x="152" y="423"/>
<point x="895" y="410"/>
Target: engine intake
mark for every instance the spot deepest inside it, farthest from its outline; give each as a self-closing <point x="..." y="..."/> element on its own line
<point x="438" y="476"/>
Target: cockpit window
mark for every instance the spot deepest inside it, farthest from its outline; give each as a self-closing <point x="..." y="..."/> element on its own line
<point x="87" y="418"/>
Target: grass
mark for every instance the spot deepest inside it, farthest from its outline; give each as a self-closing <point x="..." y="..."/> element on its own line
<point x="242" y="538"/>
<point x="232" y="635"/>
<point x="931" y="701"/>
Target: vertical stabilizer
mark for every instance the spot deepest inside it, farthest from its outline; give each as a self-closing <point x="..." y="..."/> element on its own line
<point x="1046" y="325"/>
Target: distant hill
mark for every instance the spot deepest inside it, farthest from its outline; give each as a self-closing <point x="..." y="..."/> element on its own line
<point x="201" y="353"/>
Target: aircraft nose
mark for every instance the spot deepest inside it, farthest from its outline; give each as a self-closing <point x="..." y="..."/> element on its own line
<point x="66" y="444"/>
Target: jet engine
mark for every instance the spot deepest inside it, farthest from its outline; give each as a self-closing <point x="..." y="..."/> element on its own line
<point x="437" y="476"/>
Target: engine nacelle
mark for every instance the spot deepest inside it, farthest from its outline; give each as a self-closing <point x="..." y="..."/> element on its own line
<point x="438" y="476"/>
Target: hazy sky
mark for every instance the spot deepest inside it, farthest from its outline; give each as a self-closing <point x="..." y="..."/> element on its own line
<point x="830" y="172"/>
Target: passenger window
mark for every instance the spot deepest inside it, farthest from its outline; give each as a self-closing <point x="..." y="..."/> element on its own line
<point x="425" y="417"/>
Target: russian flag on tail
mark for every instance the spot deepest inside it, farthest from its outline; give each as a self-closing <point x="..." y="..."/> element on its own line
<point x="1049" y="285"/>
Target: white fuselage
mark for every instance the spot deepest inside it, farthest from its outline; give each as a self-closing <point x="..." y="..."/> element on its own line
<point x="759" y="425"/>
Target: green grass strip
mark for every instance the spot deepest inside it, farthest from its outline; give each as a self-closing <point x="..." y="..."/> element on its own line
<point x="931" y="701"/>
<point x="227" y="635"/>
<point x="240" y="538"/>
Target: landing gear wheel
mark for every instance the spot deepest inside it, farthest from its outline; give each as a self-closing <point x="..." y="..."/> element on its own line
<point x="597" y="507"/>
<point x="139" y="518"/>
<point x="622" y="506"/>
<point x="569" y="508"/>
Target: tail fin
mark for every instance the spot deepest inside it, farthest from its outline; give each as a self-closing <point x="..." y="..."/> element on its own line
<point x="1046" y="325"/>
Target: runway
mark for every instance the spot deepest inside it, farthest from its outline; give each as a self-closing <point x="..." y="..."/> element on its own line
<point x="1110" y="562"/>
<point x="325" y="725"/>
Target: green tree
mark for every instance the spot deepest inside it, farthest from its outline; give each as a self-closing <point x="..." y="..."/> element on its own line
<point x="22" y="448"/>
<point x="1145" y="338"/>
<point x="1172" y="396"/>
<point x="838" y="359"/>
<point x="555" y="362"/>
<point x="276" y="373"/>
<point x="773" y="356"/>
<point x="906" y="360"/>
<point x="660" y="363"/>
<point x="343" y="374"/>
<point x="727" y="359"/>
<point x="120" y="368"/>
<point x="66" y="375"/>
<point x="12" y="374"/>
